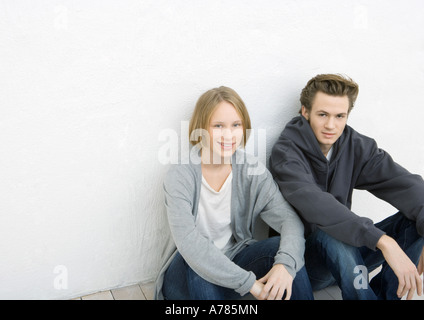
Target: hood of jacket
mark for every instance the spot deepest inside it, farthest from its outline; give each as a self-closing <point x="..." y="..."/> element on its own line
<point x="299" y="131"/>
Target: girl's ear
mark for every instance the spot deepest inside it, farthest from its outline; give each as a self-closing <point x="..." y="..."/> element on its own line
<point x="305" y="113"/>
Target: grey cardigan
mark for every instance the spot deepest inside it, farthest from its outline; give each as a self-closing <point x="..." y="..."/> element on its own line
<point x="254" y="194"/>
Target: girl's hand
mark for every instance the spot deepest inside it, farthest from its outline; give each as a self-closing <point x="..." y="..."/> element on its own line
<point x="257" y="289"/>
<point x="275" y="283"/>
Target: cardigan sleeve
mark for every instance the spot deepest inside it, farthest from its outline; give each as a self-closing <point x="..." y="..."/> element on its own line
<point x="199" y="252"/>
<point x="281" y="216"/>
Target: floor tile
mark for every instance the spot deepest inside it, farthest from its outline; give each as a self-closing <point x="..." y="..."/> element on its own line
<point x="334" y="292"/>
<point x="128" y="293"/>
<point x="322" y="295"/>
<point x="104" y="295"/>
<point x="148" y="290"/>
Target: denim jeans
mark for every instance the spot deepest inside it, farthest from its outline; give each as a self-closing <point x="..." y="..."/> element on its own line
<point x="329" y="261"/>
<point x="182" y="283"/>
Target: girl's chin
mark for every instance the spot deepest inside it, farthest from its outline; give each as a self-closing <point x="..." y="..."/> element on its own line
<point x="224" y="154"/>
<point x="219" y="157"/>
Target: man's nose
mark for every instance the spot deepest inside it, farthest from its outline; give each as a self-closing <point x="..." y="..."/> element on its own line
<point x="330" y="124"/>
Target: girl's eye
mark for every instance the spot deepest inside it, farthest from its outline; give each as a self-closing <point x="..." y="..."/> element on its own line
<point x="218" y="126"/>
<point x="237" y="125"/>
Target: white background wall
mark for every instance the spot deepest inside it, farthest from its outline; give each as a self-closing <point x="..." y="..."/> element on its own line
<point x="86" y="87"/>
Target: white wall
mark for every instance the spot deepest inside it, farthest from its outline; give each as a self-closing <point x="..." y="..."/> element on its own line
<point x="86" y="87"/>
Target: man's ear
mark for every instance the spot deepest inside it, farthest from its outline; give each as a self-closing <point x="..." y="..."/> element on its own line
<point x="305" y="113"/>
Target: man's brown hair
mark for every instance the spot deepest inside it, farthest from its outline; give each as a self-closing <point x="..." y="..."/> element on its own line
<point x="331" y="84"/>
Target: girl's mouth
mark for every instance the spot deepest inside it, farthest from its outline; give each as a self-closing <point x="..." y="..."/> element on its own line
<point x="227" y="146"/>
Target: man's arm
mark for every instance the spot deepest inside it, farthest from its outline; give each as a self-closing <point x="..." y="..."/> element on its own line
<point x="389" y="181"/>
<point x="316" y="206"/>
<point x="402" y="266"/>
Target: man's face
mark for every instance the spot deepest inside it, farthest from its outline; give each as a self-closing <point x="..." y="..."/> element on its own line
<point x="327" y="117"/>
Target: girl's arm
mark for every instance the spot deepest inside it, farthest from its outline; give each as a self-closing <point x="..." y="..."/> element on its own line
<point x="281" y="216"/>
<point x="199" y="253"/>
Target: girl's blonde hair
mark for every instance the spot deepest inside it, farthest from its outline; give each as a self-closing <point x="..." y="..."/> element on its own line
<point x="206" y="105"/>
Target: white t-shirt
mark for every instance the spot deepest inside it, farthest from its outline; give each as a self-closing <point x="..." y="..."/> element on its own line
<point x="214" y="213"/>
<point x="330" y="153"/>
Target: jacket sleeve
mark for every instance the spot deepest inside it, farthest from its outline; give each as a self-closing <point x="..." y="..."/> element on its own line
<point x="199" y="253"/>
<point x="316" y="206"/>
<point x="391" y="182"/>
<point x="281" y="216"/>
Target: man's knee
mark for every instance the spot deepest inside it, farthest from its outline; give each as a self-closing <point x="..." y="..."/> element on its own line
<point x="335" y="249"/>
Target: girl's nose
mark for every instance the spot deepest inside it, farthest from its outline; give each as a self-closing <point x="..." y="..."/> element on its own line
<point x="227" y="134"/>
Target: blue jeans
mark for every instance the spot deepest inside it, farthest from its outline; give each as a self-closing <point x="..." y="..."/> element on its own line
<point x="329" y="261"/>
<point x="182" y="283"/>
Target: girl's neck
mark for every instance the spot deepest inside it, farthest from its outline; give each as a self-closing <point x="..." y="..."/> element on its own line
<point x="216" y="167"/>
<point x="216" y="174"/>
<point x="213" y="161"/>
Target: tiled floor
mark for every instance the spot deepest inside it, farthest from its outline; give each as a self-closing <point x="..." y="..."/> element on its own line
<point x="146" y="292"/>
<point x="134" y="292"/>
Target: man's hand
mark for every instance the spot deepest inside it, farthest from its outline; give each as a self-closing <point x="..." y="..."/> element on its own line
<point x="402" y="266"/>
<point x="420" y="267"/>
<point x="273" y="285"/>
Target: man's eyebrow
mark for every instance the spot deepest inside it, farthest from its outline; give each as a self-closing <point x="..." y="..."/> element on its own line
<point x="339" y="114"/>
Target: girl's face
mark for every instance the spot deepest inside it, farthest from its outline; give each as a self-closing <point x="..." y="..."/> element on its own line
<point x="225" y="131"/>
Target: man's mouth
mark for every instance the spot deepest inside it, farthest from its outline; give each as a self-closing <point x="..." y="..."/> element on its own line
<point x="328" y="135"/>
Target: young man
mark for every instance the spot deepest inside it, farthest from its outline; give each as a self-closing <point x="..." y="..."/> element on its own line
<point x="317" y="161"/>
